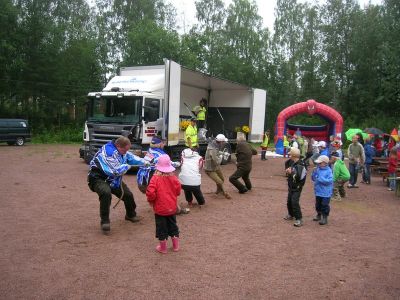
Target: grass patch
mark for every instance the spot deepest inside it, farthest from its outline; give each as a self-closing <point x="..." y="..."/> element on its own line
<point x="62" y="136"/>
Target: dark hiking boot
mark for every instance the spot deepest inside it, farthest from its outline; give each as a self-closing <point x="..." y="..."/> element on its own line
<point x="133" y="219"/>
<point x="219" y="190"/>
<point x="317" y="218"/>
<point x="182" y="211"/>
<point x="298" y="223"/>
<point x="324" y="220"/>
<point x="288" y="217"/>
<point x="105" y="225"/>
<point x="243" y="191"/>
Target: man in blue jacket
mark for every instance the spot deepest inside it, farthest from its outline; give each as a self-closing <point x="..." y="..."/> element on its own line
<point x="105" y="178"/>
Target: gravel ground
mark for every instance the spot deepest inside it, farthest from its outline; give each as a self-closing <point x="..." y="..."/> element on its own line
<point x="52" y="246"/>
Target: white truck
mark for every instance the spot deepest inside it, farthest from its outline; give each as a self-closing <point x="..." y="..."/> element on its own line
<point x="152" y="100"/>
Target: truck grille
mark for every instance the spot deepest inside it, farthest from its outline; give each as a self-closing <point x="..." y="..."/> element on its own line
<point x="99" y="136"/>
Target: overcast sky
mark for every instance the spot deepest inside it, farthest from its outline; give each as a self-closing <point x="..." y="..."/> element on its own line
<point x="187" y="12"/>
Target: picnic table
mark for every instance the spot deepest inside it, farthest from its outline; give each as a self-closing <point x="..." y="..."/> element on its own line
<point x="380" y="165"/>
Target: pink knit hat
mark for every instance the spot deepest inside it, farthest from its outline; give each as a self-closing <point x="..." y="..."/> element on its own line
<point x="164" y="164"/>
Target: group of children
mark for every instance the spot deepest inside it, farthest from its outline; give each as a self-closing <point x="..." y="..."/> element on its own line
<point x="329" y="177"/>
<point x="323" y="178"/>
<point x="330" y="174"/>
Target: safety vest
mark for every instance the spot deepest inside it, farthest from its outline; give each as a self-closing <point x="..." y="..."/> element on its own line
<point x="191" y="132"/>
<point x="285" y="141"/>
<point x="201" y="114"/>
<point x="265" y="141"/>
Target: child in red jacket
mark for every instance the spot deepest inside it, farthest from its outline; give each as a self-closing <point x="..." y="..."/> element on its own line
<point x="162" y="194"/>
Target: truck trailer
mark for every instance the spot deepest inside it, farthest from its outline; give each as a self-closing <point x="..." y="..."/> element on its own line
<point x="145" y="101"/>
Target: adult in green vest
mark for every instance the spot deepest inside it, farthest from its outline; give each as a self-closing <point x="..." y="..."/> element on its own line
<point x="191" y="135"/>
<point x="264" y="145"/>
<point x="200" y="112"/>
<point x="285" y="145"/>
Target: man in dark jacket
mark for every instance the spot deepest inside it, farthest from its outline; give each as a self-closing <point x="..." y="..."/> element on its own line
<point x="244" y="153"/>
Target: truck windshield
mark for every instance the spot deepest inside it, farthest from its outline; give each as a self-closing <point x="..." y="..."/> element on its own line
<point x="115" y="110"/>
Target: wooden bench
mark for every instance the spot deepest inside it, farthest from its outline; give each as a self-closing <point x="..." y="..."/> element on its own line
<point x="380" y="166"/>
<point x="384" y="173"/>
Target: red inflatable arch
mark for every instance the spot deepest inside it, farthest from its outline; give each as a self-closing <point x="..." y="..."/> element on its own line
<point x="311" y="107"/>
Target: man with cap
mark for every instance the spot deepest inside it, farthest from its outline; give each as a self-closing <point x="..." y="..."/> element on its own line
<point x="244" y="153"/>
<point x="340" y="176"/>
<point x="213" y="160"/>
<point x="296" y="172"/>
<point x="191" y="135"/>
<point x="107" y="167"/>
<point x="323" y="186"/>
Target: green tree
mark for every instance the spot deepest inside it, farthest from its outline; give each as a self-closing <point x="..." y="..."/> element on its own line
<point x="148" y="44"/>
<point x="338" y="23"/>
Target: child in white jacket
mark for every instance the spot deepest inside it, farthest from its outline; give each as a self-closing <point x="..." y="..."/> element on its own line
<point x="190" y="177"/>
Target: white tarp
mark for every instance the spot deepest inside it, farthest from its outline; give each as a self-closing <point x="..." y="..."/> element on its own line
<point x="142" y="83"/>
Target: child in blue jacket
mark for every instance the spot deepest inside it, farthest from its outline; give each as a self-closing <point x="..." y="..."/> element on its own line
<point x="323" y="187"/>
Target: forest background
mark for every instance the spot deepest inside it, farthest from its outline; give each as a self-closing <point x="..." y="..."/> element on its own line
<point x="53" y="52"/>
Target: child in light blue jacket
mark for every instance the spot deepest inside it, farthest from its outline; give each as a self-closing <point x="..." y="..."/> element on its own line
<point x="322" y="177"/>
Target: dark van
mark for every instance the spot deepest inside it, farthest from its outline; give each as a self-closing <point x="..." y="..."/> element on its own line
<point x="14" y="131"/>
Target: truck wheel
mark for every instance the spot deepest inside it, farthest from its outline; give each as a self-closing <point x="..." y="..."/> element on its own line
<point x="20" y="141"/>
<point x="87" y="157"/>
<point x="227" y="151"/>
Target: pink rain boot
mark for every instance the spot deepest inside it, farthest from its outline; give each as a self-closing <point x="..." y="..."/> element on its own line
<point x="175" y="243"/>
<point x="162" y="247"/>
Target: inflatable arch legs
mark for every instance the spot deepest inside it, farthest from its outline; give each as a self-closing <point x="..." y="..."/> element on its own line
<point x="311" y="107"/>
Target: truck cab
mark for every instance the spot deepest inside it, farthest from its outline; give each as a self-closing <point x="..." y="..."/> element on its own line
<point x="110" y="114"/>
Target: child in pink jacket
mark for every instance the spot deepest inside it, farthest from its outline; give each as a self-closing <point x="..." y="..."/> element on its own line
<point x="162" y="194"/>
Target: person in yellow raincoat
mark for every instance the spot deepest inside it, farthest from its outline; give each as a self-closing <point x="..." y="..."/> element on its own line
<point x="285" y="145"/>
<point x="264" y="145"/>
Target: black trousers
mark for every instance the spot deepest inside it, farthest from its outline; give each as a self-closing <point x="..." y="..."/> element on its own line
<point x="105" y="192"/>
<point x="245" y="175"/>
<point x="293" y="204"/>
<point x="201" y="123"/>
<point x="195" y="190"/>
<point x="166" y="226"/>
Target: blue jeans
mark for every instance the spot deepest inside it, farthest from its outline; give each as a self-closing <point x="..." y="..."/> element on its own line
<point x="367" y="173"/>
<point x="392" y="182"/>
<point x="353" y="168"/>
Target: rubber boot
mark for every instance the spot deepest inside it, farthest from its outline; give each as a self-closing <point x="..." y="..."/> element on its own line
<point x="175" y="243"/>
<point x="317" y="217"/>
<point x="324" y="220"/>
<point x="162" y="247"/>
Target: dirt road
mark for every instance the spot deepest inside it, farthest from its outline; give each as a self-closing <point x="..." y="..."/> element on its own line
<point x="52" y="246"/>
